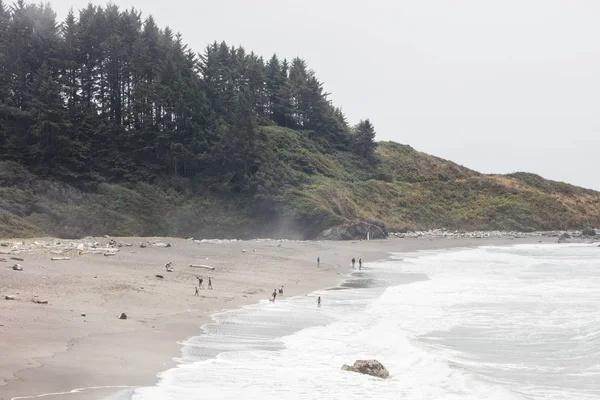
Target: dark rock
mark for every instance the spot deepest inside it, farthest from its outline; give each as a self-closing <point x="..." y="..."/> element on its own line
<point x="357" y="231"/>
<point x="368" y="367"/>
<point x="17" y="267"/>
<point x="40" y="301"/>
<point x="123" y="316"/>
<point x="588" y="232"/>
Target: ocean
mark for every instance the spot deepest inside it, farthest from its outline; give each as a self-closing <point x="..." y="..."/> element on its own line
<point x="520" y="322"/>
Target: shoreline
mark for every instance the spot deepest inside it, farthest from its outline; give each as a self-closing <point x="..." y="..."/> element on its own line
<point x="109" y="352"/>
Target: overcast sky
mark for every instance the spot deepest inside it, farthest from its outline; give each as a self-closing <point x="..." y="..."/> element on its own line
<point x="501" y="86"/>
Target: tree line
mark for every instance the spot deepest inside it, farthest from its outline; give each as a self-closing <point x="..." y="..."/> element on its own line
<point x="107" y="94"/>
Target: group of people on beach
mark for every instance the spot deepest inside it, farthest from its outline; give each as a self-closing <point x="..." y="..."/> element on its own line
<point x="275" y="293"/>
<point x="201" y="285"/>
<point x="359" y="263"/>
<point x="280" y="293"/>
<point x="353" y="263"/>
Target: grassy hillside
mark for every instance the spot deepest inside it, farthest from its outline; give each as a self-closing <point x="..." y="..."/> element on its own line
<point x="300" y="189"/>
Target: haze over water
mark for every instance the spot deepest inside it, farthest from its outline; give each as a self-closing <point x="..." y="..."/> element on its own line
<point x="518" y="322"/>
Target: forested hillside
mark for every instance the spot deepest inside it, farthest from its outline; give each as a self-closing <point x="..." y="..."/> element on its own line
<point x="110" y="124"/>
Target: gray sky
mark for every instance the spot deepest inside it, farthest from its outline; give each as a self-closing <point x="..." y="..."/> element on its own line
<point x="499" y="86"/>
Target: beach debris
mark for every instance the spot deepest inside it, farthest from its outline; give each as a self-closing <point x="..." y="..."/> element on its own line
<point x="591" y="232"/>
<point x="37" y="301"/>
<point x="168" y="267"/>
<point x="9" y="297"/>
<point x="6" y="252"/>
<point x="368" y="367"/>
<point x="159" y="276"/>
<point x="60" y="258"/>
<point x="143" y="245"/>
<point x="17" y="259"/>
<point x="123" y="316"/>
<point x="109" y="254"/>
<point x="243" y="250"/>
<point x="202" y="266"/>
<point x="564" y="238"/>
<point x="17" y="267"/>
<point x="2" y="259"/>
<point x="160" y="244"/>
<point x="83" y="314"/>
<point x="219" y="241"/>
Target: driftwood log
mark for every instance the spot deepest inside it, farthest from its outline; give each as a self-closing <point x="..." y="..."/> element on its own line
<point x="202" y="266"/>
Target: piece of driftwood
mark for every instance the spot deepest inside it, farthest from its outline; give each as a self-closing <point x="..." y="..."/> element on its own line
<point x="202" y="266"/>
<point x="60" y="258"/>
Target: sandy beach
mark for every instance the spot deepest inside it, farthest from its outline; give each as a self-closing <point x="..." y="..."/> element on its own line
<point x="77" y="340"/>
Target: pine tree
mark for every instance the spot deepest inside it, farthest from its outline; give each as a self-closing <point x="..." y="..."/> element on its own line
<point x="364" y="139"/>
<point x="109" y="94"/>
<point x="5" y="18"/>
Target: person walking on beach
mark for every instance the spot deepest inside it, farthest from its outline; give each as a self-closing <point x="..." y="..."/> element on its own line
<point x="209" y="283"/>
<point x="319" y="302"/>
<point x="318" y="261"/>
<point x="281" y="290"/>
<point x="274" y="295"/>
<point x="359" y="264"/>
<point x="200" y="280"/>
<point x="353" y="262"/>
<point x="197" y="293"/>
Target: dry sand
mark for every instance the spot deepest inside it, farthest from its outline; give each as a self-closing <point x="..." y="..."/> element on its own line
<point x="54" y="349"/>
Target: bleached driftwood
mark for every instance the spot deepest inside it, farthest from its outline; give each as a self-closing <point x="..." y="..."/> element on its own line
<point x="107" y="249"/>
<point x="60" y="258"/>
<point x="202" y="266"/>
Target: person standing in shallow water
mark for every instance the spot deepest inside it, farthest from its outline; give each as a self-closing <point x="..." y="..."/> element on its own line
<point x="353" y="262"/>
<point x="359" y="264"/>
<point x="318" y="261"/>
<point x="319" y="302"/>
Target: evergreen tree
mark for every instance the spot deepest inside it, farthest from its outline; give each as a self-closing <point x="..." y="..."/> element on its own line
<point x="364" y="140"/>
<point x="110" y="95"/>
